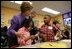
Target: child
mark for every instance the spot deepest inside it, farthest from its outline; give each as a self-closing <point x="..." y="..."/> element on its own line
<point x="46" y="30"/>
<point x="24" y="38"/>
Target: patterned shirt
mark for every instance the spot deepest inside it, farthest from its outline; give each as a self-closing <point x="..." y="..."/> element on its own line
<point x="24" y="34"/>
<point x="48" y="30"/>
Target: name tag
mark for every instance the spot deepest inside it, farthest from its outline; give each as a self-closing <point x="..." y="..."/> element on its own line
<point x="50" y="27"/>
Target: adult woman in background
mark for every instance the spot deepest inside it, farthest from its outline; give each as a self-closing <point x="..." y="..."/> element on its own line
<point x="66" y="32"/>
<point x="57" y="30"/>
<point x="60" y="34"/>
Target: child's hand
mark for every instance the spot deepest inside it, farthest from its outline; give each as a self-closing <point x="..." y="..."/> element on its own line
<point x="30" y="37"/>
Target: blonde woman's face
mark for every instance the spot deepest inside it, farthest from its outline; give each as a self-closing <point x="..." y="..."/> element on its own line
<point x="33" y="15"/>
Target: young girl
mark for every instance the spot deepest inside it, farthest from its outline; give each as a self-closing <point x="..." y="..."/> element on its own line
<point x="24" y="38"/>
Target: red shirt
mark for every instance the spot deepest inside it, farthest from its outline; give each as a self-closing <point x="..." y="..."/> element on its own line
<point x="48" y="30"/>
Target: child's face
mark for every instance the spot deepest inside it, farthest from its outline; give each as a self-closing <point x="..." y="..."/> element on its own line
<point x="29" y="28"/>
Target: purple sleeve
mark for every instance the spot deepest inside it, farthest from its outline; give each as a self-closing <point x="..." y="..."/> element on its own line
<point x="14" y="26"/>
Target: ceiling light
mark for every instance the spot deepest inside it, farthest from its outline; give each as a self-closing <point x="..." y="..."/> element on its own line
<point x="20" y="2"/>
<point x="50" y="10"/>
<point x="11" y="1"/>
<point x="28" y="1"/>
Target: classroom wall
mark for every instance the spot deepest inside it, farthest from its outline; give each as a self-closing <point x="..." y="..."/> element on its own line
<point x="7" y="14"/>
<point x="60" y="19"/>
<point x="41" y="20"/>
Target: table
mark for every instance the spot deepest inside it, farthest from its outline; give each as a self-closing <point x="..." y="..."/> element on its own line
<point x="58" y="44"/>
